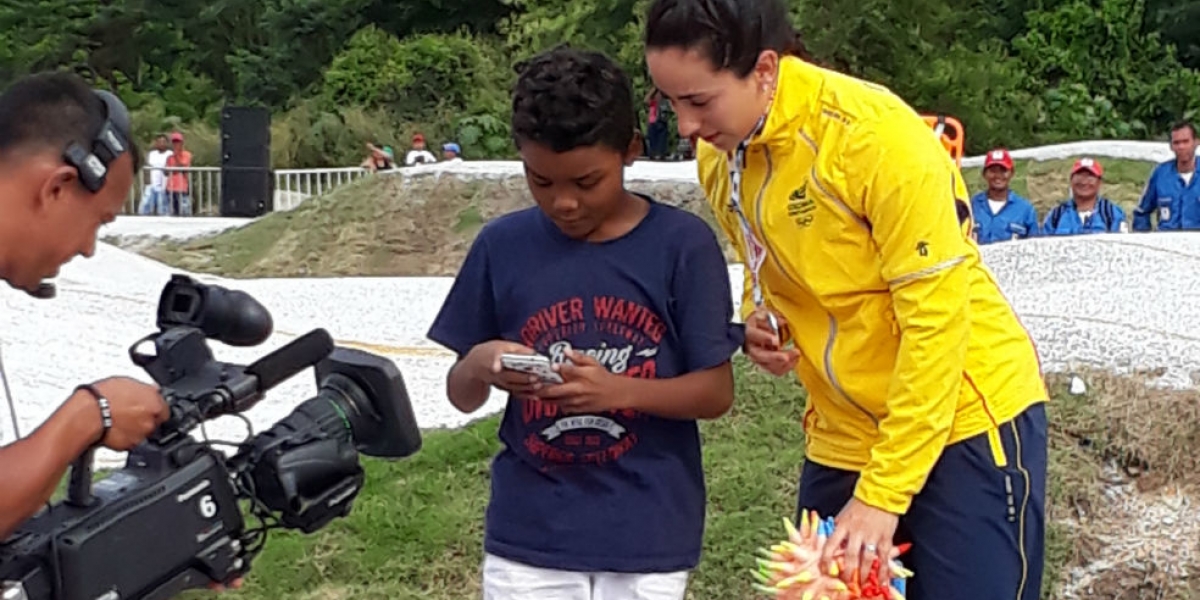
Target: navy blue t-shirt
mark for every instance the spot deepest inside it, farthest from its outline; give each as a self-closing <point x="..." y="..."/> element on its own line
<point x="620" y="491"/>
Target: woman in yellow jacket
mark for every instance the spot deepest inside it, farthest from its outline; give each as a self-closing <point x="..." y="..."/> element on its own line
<point x="925" y="419"/>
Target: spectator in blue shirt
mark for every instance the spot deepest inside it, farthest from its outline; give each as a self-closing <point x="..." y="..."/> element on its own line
<point x="1172" y="194"/>
<point x="1000" y="213"/>
<point x="1085" y="211"/>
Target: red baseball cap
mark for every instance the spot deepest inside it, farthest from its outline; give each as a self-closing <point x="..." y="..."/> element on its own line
<point x="999" y="156"/>
<point x="1090" y="165"/>
<point x="176" y="137"/>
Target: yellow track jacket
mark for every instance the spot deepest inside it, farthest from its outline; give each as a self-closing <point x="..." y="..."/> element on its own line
<point x="907" y="344"/>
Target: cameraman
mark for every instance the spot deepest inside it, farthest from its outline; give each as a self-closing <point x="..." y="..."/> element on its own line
<point x="47" y="217"/>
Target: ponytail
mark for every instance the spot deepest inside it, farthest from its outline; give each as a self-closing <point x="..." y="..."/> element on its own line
<point x="798" y="48"/>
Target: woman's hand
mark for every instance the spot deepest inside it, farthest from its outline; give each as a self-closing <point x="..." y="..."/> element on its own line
<point x="763" y="343"/>
<point x="865" y="534"/>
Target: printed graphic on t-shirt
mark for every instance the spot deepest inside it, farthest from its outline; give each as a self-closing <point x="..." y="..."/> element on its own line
<point x="620" y="334"/>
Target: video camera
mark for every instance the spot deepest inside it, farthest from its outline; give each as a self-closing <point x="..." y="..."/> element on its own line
<point x="171" y="519"/>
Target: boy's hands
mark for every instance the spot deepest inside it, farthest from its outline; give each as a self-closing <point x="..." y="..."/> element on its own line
<point x="484" y="363"/>
<point x="587" y="387"/>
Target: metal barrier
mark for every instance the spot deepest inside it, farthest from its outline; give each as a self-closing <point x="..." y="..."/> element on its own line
<point x="292" y="186"/>
<point x="202" y="198"/>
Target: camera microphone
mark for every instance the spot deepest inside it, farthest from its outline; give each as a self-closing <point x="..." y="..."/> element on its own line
<point x="299" y="354"/>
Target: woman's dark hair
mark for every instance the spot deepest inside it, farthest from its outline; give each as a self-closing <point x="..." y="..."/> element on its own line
<point x="566" y="98"/>
<point x="964" y="212"/>
<point x="730" y="33"/>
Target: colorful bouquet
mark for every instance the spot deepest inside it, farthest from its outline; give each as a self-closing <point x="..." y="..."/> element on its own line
<point x="790" y="570"/>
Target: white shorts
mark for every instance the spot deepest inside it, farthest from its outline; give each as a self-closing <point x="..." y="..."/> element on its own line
<point x="507" y="580"/>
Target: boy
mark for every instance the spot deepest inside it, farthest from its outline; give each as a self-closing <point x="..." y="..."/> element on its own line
<point x="598" y="492"/>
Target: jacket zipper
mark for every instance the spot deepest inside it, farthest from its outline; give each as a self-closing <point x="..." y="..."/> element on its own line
<point x="833" y="380"/>
<point x="833" y="328"/>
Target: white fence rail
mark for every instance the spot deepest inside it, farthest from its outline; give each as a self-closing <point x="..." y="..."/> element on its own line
<point x="196" y="191"/>
<point x="293" y="186"/>
<point x="185" y="191"/>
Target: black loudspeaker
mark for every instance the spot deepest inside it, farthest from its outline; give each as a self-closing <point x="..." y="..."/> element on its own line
<point x="246" y="192"/>
<point x="247" y="185"/>
<point x="246" y="137"/>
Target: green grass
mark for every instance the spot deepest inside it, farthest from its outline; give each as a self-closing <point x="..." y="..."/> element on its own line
<point x="416" y="529"/>
<point x="469" y="220"/>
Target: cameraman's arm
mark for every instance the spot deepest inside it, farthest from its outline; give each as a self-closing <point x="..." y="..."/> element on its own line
<point x="32" y="467"/>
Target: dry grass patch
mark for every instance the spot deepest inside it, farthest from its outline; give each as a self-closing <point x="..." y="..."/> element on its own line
<point x="1123" y="485"/>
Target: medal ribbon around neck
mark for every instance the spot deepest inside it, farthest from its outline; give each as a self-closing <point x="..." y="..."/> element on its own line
<point x="756" y="252"/>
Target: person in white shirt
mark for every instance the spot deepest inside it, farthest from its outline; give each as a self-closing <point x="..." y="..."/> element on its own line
<point x="154" y="197"/>
<point x="418" y="154"/>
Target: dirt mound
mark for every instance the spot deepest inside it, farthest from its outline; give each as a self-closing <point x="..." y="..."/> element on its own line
<point x="377" y="226"/>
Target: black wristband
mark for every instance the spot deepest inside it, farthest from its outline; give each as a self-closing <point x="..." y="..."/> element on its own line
<point x="106" y="420"/>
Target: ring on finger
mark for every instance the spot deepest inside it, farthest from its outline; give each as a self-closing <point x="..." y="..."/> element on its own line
<point x="870" y="548"/>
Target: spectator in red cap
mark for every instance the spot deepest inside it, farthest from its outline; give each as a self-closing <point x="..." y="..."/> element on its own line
<point x="178" y="185"/>
<point x="1086" y="211"/>
<point x="418" y="154"/>
<point x="1000" y="213"/>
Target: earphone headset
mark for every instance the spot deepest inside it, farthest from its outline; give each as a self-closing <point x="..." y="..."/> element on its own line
<point x="109" y="144"/>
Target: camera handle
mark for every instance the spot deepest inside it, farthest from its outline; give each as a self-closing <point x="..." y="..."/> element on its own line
<point x="79" y="488"/>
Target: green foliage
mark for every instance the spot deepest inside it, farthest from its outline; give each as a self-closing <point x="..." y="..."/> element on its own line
<point x="485" y="132"/>
<point x="981" y="89"/>
<point x="610" y="26"/>
<point x="300" y="37"/>
<point x="1100" y="74"/>
<point x="445" y="85"/>
<point x="1015" y="72"/>
<point x="368" y="71"/>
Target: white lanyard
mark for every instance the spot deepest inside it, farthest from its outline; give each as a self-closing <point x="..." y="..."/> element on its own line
<point x="756" y="253"/>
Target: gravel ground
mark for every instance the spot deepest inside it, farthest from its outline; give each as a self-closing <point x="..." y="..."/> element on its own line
<point x="1147" y="539"/>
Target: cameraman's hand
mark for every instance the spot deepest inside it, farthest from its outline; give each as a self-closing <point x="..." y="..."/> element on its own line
<point x="137" y="409"/>
<point x="484" y="361"/>
<point x="236" y="584"/>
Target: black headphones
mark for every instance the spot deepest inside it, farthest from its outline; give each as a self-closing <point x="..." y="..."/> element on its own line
<point x="109" y="144"/>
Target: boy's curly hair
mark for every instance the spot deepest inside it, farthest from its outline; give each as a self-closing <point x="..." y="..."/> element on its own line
<point x="566" y="98"/>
